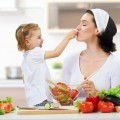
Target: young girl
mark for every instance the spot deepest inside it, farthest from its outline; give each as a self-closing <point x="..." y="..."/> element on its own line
<point x="34" y="68"/>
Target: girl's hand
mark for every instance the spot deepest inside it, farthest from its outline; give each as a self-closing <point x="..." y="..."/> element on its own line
<point x="89" y="87"/>
<point x="72" y="34"/>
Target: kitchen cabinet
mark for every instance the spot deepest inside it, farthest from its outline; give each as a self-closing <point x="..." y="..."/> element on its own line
<point x="15" y="89"/>
<point x="62" y="16"/>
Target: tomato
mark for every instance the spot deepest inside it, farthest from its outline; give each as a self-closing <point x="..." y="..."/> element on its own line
<point x="105" y="107"/>
<point x="64" y="97"/>
<point x="8" y="107"/>
<point x="86" y="107"/>
<point x="73" y="93"/>
<point x="59" y="97"/>
<point x="54" y="91"/>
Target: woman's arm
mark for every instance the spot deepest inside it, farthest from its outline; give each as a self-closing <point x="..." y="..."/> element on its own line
<point x="59" y="49"/>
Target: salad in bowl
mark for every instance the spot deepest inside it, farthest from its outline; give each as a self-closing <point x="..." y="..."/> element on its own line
<point x="64" y="94"/>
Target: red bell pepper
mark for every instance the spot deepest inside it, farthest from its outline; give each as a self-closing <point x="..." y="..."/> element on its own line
<point x="94" y="100"/>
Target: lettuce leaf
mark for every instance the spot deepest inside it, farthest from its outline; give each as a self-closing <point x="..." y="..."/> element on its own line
<point x="113" y="91"/>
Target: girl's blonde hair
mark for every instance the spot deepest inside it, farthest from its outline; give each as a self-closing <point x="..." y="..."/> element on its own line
<point x="22" y="31"/>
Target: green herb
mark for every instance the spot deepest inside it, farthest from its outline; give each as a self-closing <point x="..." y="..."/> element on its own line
<point x="64" y="99"/>
<point x="57" y="65"/>
<point x="113" y="91"/>
<point x="8" y="99"/>
<point x="13" y="108"/>
<point x="2" y="111"/>
<point x="76" y="103"/>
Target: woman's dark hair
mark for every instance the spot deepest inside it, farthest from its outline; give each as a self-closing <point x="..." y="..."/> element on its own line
<point x="106" y="38"/>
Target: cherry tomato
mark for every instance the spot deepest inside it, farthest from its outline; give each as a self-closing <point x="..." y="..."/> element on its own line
<point x="54" y="91"/>
<point x="73" y="93"/>
<point x="59" y="97"/>
<point x="86" y="107"/>
<point x="105" y="106"/>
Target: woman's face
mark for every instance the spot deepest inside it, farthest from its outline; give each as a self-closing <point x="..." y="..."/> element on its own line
<point x="86" y="29"/>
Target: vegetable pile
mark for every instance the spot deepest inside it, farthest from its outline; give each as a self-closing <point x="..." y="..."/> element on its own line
<point x="105" y="101"/>
<point x="94" y="104"/>
<point x="6" y="106"/>
<point x="64" y="97"/>
<point x="113" y="92"/>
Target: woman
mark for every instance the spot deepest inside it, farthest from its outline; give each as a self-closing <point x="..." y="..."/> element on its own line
<point x="95" y="68"/>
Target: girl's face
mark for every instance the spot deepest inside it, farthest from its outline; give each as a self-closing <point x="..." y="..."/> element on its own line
<point x="86" y="29"/>
<point x="35" y="39"/>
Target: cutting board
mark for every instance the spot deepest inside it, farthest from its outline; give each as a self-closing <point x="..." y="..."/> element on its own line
<point x="61" y="110"/>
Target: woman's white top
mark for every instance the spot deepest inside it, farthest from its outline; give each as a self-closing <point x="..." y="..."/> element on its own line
<point x="108" y="76"/>
<point x="35" y="73"/>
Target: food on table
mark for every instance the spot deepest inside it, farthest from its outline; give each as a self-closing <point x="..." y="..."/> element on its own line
<point x="6" y="105"/>
<point x="47" y="106"/>
<point x="86" y="107"/>
<point x="117" y="108"/>
<point x="112" y="95"/>
<point x="2" y="111"/>
<point x="115" y="100"/>
<point x="94" y="100"/>
<point x="112" y="91"/>
<point x="77" y="103"/>
<point x="64" y="96"/>
<point x="105" y="106"/>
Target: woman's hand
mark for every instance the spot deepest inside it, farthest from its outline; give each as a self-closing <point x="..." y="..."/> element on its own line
<point x="89" y="87"/>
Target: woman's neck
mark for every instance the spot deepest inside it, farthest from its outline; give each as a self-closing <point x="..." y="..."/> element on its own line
<point x="94" y="53"/>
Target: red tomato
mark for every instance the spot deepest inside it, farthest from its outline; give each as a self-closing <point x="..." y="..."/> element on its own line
<point x="73" y="93"/>
<point x="86" y="107"/>
<point x="54" y="91"/>
<point x="105" y="107"/>
<point x="6" y="106"/>
<point x="59" y="97"/>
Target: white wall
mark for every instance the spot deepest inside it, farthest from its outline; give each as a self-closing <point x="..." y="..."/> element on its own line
<point x="9" y="55"/>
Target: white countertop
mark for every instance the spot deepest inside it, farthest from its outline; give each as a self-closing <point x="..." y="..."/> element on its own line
<point x="79" y="116"/>
<point x="11" y="83"/>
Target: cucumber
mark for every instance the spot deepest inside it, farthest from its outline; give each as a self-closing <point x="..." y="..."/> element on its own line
<point x="47" y="106"/>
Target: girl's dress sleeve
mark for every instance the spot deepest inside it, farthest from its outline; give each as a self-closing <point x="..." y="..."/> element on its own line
<point x="37" y="55"/>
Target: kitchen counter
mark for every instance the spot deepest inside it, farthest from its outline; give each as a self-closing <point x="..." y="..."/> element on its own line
<point x="11" y="83"/>
<point x="13" y="88"/>
<point x="79" y="116"/>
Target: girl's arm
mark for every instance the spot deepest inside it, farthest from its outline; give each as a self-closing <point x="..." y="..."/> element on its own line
<point x="59" y="49"/>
